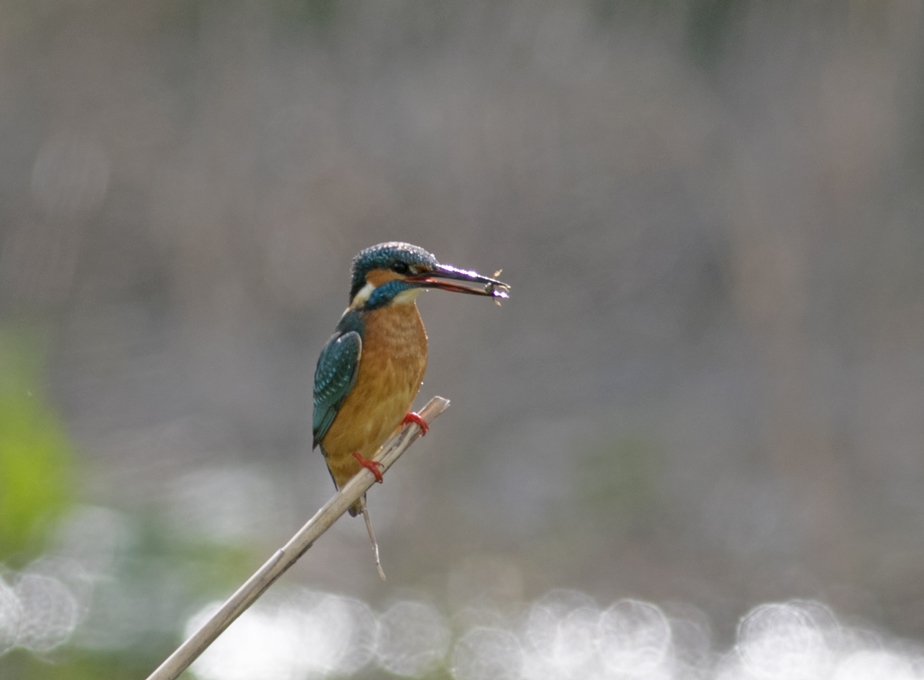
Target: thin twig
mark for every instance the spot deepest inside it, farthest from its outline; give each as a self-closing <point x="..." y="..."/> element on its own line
<point x="375" y="543"/>
<point x="284" y="558"/>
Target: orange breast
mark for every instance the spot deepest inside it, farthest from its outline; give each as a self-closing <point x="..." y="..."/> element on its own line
<point x="391" y="367"/>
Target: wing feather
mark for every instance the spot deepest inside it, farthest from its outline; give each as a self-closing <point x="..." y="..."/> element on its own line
<point x="334" y="377"/>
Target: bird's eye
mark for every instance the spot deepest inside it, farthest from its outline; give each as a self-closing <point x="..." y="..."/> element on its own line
<point x="400" y="267"/>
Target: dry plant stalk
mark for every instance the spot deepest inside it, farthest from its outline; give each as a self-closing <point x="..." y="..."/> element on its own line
<point x="285" y="557"/>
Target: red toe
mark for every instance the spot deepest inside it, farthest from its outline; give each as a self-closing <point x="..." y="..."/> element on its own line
<point x="372" y="466"/>
<point x="421" y="423"/>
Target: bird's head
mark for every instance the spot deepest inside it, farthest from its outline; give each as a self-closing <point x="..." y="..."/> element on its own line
<point x="398" y="272"/>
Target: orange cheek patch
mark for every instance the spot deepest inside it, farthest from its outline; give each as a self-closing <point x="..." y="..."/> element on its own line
<point x="379" y="276"/>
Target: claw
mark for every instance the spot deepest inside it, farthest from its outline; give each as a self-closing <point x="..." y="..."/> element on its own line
<point x="421" y="423"/>
<point x="372" y="466"/>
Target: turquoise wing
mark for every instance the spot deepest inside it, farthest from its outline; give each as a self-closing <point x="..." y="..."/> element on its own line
<point x="334" y="377"/>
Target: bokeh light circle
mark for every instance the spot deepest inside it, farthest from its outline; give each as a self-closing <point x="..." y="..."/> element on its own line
<point x="337" y="634"/>
<point x="634" y="637"/>
<point x="298" y="634"/>
<point x="784" y="641"/>
<point x="49" y="612"/>
<point x="412" y="639"/>
<point x="260" y="645"/>
<point x="487" y="654"/>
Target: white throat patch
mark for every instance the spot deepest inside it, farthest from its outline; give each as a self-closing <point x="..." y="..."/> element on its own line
<point x="408" y="296"/>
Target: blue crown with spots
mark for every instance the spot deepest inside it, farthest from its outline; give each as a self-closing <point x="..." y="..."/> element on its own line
<point x="385" y="256"/>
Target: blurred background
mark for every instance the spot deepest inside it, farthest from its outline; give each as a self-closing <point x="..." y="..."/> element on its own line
<point x="690" y="445"/>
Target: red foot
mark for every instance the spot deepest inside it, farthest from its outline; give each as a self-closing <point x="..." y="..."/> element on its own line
<point x="414" y="418"/>
<point x="371" y="465"/>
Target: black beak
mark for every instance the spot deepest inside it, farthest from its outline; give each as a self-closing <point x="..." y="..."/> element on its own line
<point x="436" y="279"/>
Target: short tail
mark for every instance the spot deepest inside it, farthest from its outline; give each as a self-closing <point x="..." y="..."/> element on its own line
<point x="358" y="506"/>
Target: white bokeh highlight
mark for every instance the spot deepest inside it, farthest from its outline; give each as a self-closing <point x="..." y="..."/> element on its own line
<point x="487" y="654"/>
<point x="787" y="641"/>
<point x="633" y="638"/>
<point x="49" y="612"/>
<point x="306" y="635"/>
<point x="412" y="639"/>
<point x="877" y="665"/>
<point x="561" y="640"/>
<point x="10" y="617"/>
<point x="74" y="597"/>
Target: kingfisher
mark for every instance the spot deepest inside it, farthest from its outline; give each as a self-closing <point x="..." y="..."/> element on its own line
<point x="371" y="369"/>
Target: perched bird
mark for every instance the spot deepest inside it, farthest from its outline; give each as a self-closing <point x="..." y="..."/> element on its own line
<point x="369" y="372"/>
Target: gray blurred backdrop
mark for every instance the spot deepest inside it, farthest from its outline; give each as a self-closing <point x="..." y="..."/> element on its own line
<point x="706" y="390"/>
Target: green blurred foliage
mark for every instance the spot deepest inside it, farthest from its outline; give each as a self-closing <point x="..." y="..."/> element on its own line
<point x="23" y="665"/>
<point x="36" y="465"/>
<point x="160" y="580"/>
